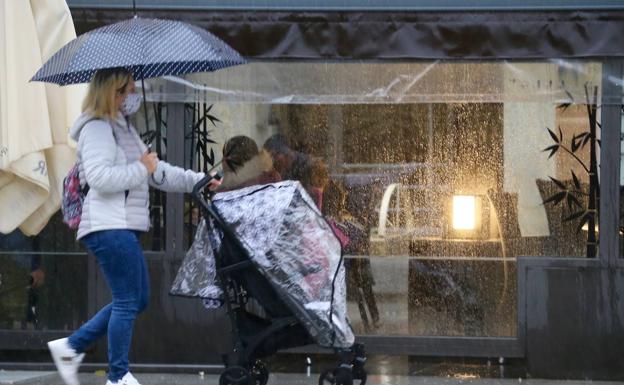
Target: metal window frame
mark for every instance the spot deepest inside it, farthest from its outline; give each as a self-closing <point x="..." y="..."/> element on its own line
<point x="611" y="118"/>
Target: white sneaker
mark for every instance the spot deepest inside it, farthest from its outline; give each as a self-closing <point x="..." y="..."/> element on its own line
<point x="66" y="359"/>
<point x="128" y="379"/>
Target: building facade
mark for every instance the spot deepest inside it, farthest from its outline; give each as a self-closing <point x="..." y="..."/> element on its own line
<point x="477" y="149"/>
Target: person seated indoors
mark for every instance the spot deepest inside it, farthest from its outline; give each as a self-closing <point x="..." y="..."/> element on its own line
<point x="244" y="165"/>
<point x="309" y="170"/>
<point x="354" y="239"/>
<point x="313" y="176"/>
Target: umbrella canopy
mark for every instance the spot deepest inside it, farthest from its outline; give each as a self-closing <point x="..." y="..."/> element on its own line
<point x="34" y="118"/>
<point x="147" y="47"/>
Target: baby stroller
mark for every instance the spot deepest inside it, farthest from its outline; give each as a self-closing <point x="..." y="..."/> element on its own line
<point x="267" y="254"/>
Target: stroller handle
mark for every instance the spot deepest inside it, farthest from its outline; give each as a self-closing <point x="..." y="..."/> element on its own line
<point x="208" y="209"/>
<point x="206" y="206"/>
<point x="200" y="186"/>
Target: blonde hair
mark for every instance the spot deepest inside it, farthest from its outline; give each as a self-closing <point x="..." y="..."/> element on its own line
<point x="100" y="99"/>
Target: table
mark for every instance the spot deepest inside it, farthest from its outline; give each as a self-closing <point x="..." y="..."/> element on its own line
<point x="450" y="247"/>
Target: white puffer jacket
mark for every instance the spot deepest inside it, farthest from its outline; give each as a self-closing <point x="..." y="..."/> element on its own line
<point x="109" y="153"/>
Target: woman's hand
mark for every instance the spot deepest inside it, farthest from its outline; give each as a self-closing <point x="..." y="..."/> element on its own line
<point x="215" y="182"/>
<point x="150" y="161"/>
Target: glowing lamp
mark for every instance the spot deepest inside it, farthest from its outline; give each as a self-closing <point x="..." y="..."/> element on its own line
<point x="464" y="212"/>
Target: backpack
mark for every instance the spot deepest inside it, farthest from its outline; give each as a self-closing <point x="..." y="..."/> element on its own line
<point x="74" y="194"/>
<point x="73" y="198"/>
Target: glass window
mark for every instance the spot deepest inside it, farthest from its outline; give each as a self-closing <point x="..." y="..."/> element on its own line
<point x="439" y="174"/>
<point x="43" y="279"/>
<point x="154" y="133"/>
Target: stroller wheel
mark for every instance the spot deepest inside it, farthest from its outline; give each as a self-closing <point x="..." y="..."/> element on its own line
<point x="339" y="376"/>
<point x="235" y="375"/>
<point x="259" y="373"/>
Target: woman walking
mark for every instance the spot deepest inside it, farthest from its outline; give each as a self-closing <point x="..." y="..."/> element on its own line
<point x="116" y="169"/>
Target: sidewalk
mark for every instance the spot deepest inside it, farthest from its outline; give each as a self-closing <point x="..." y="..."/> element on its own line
<point x="48" y="378"/>
<point x="293" y="369"/>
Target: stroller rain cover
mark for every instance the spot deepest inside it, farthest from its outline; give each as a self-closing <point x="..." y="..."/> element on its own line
<point x="290" y="244"/>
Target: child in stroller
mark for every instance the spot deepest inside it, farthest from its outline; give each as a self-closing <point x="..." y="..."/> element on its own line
<point x="256" y="245"/>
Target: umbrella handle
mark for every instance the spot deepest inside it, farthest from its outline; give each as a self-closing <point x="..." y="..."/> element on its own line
<point x="144" y="100"/>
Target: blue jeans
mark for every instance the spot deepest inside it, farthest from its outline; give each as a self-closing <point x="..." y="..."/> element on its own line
<point x="121" y="258"/>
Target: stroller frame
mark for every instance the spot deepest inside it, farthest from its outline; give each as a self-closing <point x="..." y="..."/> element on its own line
<point x="249" y="349"/>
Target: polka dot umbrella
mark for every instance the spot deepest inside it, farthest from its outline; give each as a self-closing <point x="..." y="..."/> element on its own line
<point x="147" y="47"/>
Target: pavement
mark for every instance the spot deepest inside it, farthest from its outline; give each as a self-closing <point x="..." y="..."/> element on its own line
<point x="51" y="378"/>
<point x="303" y="369"/>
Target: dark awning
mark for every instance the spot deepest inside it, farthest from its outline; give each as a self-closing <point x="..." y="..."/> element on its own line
<point x="354" y="5"/>
<point x="269" y="35"/>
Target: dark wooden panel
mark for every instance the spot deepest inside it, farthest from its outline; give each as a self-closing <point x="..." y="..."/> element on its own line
<point x="574" y="325"/>
<point x="432" y="346"/>
<point x="28" y="339"/>
<point x="610" y="166"/>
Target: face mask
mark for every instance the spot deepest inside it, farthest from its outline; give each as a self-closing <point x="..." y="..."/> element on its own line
<point x="131" y="104"/>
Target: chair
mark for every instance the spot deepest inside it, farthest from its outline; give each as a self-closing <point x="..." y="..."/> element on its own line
<point x="514" y="244"/>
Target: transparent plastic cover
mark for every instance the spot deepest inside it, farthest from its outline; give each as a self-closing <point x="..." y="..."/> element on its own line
<point x="552" y="81"/>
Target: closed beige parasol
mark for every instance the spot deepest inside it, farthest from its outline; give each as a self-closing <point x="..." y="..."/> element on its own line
<point x="35" y="152"/>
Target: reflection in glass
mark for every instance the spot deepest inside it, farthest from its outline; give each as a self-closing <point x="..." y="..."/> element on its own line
<point x="43" y="279"/>
<point x="433" y="175"/>
<point x="57" y="302"/>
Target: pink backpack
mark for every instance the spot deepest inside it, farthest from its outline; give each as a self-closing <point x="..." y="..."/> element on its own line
<point x="73" y="197"/>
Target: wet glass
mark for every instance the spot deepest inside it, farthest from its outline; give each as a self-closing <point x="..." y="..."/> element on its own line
<point x="43" y="280"/>
<point x="436" y="176"/>
<point x="154" y="135"/>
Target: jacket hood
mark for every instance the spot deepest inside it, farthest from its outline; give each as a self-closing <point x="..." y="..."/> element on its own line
<point x="84" y="118"/>
<point x="76" y="128"/>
